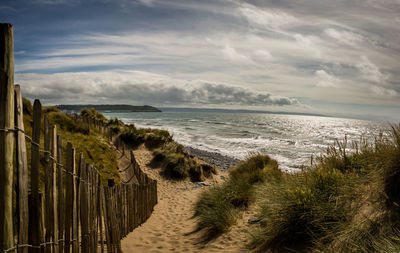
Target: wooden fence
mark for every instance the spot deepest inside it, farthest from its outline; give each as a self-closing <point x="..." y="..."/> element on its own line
<point x="73" y="212"/>
<point x="92" y="123"/>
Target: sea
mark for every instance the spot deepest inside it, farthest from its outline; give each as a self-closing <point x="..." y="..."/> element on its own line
<point x="290" y="139"/>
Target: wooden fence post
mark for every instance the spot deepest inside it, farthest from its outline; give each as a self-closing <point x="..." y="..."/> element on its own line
<point x="60" y="194"/>
<point x="100" y="212"/>
<point x="84" y="209"/>
<point x="35" y="209"/>
<point x="53" y="138"/>
<point x="48" y="186"/>
<point x="89" y="203"/>
<point x="106" y="212"/>
<point x="6" y="136"/>
<point x="82" y="200"/>
<point x="69" y="198"/>
<point x="75" y="238"/>
<point x="22" y="172"/>
<point x="81" y="163"/>
<point x="95" y="210"/>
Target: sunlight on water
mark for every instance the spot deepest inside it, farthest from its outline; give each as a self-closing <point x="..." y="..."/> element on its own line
<point x="291" y="139"/>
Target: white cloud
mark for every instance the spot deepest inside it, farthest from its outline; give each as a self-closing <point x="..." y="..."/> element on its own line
<point x="309" y="43"/>
<point x="345" y="37"/>
<point x="383" y="91"/>
<point x="232" y="54"/>
<point x="266" y="18"/>
<point x="370" y="71"/>
<point x="266" y="55"/>
<point x="324" y="79"/>
<point x="147" y="2"/>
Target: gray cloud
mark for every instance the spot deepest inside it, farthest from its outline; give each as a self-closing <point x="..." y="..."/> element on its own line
<point x="129" y="87"/>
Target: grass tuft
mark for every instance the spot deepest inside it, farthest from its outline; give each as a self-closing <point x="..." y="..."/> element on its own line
<point x="347" y="202"/>
<point x="176" y="163"/>
<point x="222" y="204"/>
<point x="215" y="214"/>
<point x="153" y="138"/>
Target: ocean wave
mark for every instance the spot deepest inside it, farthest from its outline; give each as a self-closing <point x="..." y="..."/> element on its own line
<point x="289" y="140"/>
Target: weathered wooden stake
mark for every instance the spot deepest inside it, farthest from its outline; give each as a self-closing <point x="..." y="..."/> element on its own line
<point x="6" y="136"/>
<point x="69" y="197"/>
<point x="75" y="238"/>
<point x="48" y="186"/>
<point x="53" y="138"/>
<point x="22" y="172"/>
<point x="60" y="193"/>
<point x="35" y="209"/>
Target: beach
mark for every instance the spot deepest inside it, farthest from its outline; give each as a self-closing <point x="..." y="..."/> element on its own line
<point x="171" y="227"/>
<point x="222" y="162"/>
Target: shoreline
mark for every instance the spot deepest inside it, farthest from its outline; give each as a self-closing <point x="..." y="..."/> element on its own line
<point x="220" y="161"/>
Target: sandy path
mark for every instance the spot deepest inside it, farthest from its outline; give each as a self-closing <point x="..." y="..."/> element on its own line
<point x="169" y="227"/>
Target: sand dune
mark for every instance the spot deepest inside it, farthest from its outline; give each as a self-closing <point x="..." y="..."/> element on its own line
<point x="170" y="227"/>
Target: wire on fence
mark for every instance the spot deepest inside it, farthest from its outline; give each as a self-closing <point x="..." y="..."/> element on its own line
<point x="61" y="167"/>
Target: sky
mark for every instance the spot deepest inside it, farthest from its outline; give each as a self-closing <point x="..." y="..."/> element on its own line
<point x="338" y="58"/>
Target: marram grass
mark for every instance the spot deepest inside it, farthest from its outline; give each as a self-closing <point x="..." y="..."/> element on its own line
<point x="218" y="208"/>
<point x="346" y="202"/>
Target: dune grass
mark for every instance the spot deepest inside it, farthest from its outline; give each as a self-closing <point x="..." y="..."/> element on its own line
<point x="152" y="138"/>
<point x="176" y="163"/>
<point x="346" y="202"/>
<point x="218" y="208"/>
<point x="94" y="146"/>
<point x="300" y="207"/>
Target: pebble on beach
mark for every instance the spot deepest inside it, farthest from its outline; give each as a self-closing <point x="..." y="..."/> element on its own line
<point x="218" y="160"/>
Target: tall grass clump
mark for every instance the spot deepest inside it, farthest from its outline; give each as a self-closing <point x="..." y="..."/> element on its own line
<point x="300" y="207"/>
<point x="176" y="163"/>
<point x="214" y="212"/>
<point x="153" y="138"/>
<point x="92" y="113"/>
<point x="217" y="209"/>
<point x="347" y="202"/>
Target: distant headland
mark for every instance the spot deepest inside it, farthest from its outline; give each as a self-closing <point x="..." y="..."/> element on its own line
<point x="110" y="108"/>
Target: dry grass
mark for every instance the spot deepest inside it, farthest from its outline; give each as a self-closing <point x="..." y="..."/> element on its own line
<point x="347" y="202"/>
<point x="94" y="146"/>
<point x="216" y="209"/>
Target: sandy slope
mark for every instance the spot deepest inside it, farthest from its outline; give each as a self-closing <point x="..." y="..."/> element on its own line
<point x="169" y="227"/>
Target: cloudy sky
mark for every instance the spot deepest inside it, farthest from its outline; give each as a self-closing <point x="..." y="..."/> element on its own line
<point x="337" y="57"/>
